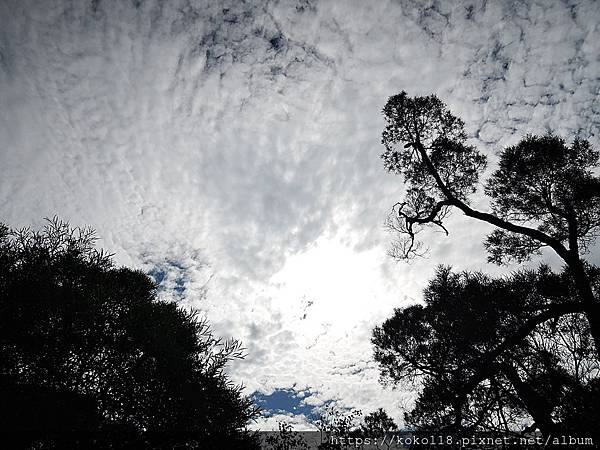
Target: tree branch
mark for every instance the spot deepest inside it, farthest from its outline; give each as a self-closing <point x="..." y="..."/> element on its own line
<point x="485" y="367"/>
<point x="556" y="245"/>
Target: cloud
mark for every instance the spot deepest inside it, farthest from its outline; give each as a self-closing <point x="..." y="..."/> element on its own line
<point x="231" y="149"/>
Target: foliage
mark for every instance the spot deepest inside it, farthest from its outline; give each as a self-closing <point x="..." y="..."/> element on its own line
<point x="427" y="122"/>
<point x="417" y="126"/>
<point x="90" y="357"/>
<point x="540" y="182"/>
<point x="378" y="425"/>
<point x="335" y="422"/>
<point x="543" y="193"/>
<point x="486" y="355"/>
<point x="286" y="439"/>
<point x="544" y="182"/>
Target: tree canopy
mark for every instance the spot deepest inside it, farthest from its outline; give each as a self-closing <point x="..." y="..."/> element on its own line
<point x="543" y="181"/>
<point x="90" y="358"/>
<point x="479" y="371"/>
<point x="544" y="193"/>
<point x="490" y="352"/>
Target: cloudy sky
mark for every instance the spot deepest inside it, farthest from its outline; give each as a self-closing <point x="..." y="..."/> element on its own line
<point x="231" y="149"/>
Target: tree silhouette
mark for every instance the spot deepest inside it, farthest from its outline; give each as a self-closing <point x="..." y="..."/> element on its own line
<point x="285" y="439"/>
<point x="483" y="363"/>
<point x="378" y="423"/>
<point x="376" y="426"/>
<point x="543" y="193"/>
<point x="334" y="423"/>
<point x="347" y="428"/>
<point x="89" y="358"/>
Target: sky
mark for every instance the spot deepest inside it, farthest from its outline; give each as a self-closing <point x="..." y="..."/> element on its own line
<point x="231" y="150"/>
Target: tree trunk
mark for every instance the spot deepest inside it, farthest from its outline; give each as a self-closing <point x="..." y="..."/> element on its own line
<point x="536" y="405"/>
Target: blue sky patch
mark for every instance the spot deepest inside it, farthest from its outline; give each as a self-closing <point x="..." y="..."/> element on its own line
<point x="283" y="401"/>
<point x="170" y="275"/>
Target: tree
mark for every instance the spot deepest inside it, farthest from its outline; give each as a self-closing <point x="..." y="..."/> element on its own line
<point x="285" y="439"/>
<point x="542" y="194"/>
<point x="336" y="425"/>
<point x="484" y="363"/>
<point x="377" y="425"/>
<point x="343" y="428"/>
<point x="89" y="358"/>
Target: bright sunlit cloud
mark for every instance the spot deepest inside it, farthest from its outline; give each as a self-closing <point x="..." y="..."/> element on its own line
<point x="338" y="285"/>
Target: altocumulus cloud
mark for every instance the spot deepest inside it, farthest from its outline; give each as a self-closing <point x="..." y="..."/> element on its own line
<point x="232" y="148"/>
